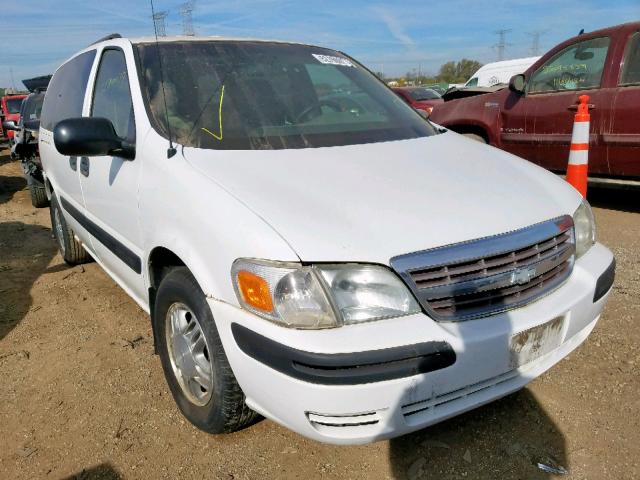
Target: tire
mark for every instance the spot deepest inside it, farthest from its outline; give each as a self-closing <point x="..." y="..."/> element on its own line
<point x="220" y="407"/>
<point x="475" y="136"/>
<point x="71" y="249"/>
<point x="38" y="194"/>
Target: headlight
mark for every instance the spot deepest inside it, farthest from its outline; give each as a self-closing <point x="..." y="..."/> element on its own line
<point x="585" y="228"/>
<point x="320" y="296"/>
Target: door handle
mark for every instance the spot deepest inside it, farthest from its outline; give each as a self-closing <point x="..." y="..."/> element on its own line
<point x="73" y="163"/>
<point x="575" y="106"/>
<point x="84" y="166"/>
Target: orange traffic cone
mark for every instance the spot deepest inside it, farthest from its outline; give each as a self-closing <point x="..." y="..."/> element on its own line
<point x="579" y="153"/>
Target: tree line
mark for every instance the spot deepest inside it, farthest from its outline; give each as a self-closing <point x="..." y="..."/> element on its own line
<point x="450" y="72"/>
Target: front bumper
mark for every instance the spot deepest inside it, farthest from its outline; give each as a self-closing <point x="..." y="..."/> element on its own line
<point x="482" y="369"/>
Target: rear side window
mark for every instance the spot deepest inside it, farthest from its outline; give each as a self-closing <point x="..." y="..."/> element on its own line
<point x="631" y="70"/>
<point x="577" y="67"/>
<point x="111" y="96"/>
<point x="31" y="107"/>
<point x="65" y="94"/>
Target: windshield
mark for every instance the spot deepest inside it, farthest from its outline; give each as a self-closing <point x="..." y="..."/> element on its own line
<point x="419" y="94"/>
<point x="13" y="105"/>
<point x="257" y="95"/>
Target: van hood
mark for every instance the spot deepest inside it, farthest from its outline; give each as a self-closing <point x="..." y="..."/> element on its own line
<point x="369" y="203"/>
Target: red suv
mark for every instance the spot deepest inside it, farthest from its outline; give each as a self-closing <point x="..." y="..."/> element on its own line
<point x="533" y="118"/>
<point x="11" y="110"/>
<point x="420" y="98"/>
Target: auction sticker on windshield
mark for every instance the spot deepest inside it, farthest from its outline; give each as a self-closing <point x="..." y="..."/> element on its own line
<point x="330" y="60"/>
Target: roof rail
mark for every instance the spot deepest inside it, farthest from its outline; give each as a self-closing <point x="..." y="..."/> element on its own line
<point x="108" y="37"/>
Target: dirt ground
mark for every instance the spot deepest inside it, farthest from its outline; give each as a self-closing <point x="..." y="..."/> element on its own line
<point x="83" y="396"/>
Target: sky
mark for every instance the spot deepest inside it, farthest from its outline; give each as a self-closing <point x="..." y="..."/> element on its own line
<point x="393" y="37"/>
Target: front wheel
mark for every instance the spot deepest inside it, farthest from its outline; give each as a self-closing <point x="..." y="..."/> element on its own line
<point x="193" y="359"/>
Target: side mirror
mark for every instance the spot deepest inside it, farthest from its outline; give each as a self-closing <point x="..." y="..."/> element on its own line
<point x="10" y="125"/>
<point x="32" y="125"/>
<point x="423" y="113"/>
<point x="516" y="84"/>
<point x="90" y="137"/>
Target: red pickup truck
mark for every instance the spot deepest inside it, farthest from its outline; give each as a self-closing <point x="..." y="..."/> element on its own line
<point x="10" y="105"/>
<point x="533" y="118"/>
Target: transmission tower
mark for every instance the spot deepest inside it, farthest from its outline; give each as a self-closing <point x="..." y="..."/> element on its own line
<point x="535" y="41"/>
<point x="159" y="23"/>
<point x="186" y="11"/>
<point x="502" y="44"/>
<point x="13" y="82"/>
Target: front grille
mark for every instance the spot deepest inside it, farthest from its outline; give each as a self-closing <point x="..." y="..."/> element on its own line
<point x="490" y="275"/>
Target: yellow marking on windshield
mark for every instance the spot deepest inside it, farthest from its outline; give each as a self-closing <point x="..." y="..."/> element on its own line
<point x="218" y="137"/>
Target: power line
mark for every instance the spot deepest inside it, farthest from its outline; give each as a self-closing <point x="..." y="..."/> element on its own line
<point x="502" y="44"/>
<point x="186" y="11"/>
<point x="159" y="20"/>
<point x="535" y="41"/>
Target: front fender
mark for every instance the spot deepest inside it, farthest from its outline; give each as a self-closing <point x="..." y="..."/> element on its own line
<point x="470" y="115"/>
<point x="206" y="227"/>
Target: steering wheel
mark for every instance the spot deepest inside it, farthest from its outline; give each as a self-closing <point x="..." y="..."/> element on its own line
<point x="334" y="105"/>
<point x="352" y="106"/>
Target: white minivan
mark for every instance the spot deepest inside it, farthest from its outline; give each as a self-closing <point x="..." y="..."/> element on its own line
<point x="308" y="247"/>
<point x="499" y="73"/>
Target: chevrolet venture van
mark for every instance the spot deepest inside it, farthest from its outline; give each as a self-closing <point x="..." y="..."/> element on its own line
<point x="309" y="248"/>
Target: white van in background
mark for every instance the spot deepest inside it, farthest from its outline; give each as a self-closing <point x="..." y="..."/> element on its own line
<point x="499" y="72"/>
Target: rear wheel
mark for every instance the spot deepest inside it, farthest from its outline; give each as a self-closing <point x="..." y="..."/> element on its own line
<point x="70" y="248"/>
<point x="38" y="194"/>
<point x="193" y="359"/>
<point x="475" y="136"/>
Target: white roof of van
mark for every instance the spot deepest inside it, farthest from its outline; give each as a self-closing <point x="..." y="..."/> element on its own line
<point x="509" y="63"/>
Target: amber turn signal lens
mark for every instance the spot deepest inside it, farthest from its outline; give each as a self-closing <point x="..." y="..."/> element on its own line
<point x="255" y="291"/>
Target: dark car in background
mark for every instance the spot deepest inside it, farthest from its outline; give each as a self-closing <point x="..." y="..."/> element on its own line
<point x="25" y="145"/>
<point x="533" y="118"/>
<point x="420" y="98"/>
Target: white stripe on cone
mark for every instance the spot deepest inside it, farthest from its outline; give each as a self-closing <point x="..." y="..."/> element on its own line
<point x="579" y="157"/>
<point x="580" y="132"/>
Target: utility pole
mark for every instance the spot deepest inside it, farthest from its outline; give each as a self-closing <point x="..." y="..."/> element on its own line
<point x="186" y="11"/>
<point x="535" y="41"/>
<point x="502" y="44"/>
<point x="159" y="22"/>
<point x="13" y="82"/>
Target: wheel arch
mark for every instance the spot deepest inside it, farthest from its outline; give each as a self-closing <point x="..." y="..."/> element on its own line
<point x="159" y="261"/>
<point x="471" y="128"/>
<point x="48" y="186"/>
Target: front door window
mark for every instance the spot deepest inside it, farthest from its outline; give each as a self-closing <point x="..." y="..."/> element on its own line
<point x="111" y="97"/>
<point x="577" y="67"/>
